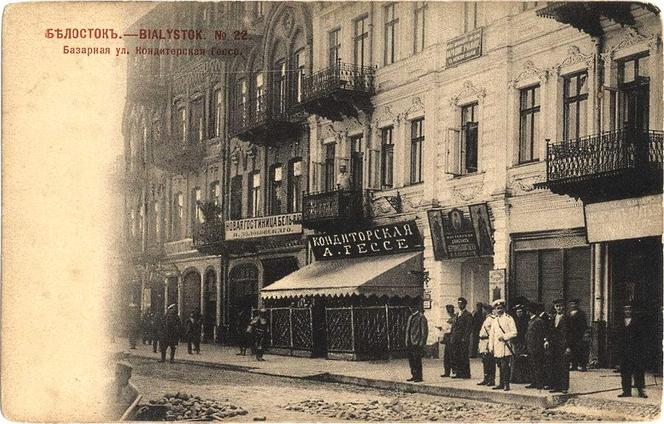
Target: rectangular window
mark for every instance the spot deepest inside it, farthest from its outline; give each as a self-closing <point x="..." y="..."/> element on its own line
<point x="214" y="192"/>
<point x="634" y="92"/>
<point x="356" y="162"/>
<point x="276" y="190"/>
<point x="469" y="135"/>
<point x="218" y="118"/>
<point x="255" y="194"/>
<point x="387" y="158"/>
<point x="295" y="185"/>
<point x="470" y="16"/>
<point x="242" y="99"/>
<point x="196" y="199"/>
<point x="419" y="37"/>
<point x="329" y="167"/>
<point x="236" y="197"/>
<point x="197" y="128"/>
<point x="298" y="62"/>
<point x="280" y="87"/>
<point x="416" y="145"/>
<point x="334" y="46"/>
<point x="178" y="216"/>
<point x="361" y="41"/>
<point x="391" y="22"/>
<point x="182" y="124"/>
<point x="529" y="107"/>
<point x="258" y="102"/>
<point x="575" y="105"/>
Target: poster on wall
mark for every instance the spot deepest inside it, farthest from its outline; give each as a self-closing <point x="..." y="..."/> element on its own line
<point x="496" y="284"/>
<point x="479" y="215"/>
<point x="437" y="239"/>
<point x="459" y="235"/>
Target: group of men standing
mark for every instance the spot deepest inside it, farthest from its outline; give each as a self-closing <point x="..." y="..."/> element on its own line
<point x="532" y="347"/>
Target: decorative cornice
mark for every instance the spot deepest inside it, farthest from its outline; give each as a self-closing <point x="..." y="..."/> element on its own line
<point x="521" y="184"/>
<point x="529" y="71"/>
<point x="574" y="56"/>
<point x="468" y="91"/>
<point x="416" y="106"/>
<point x="385" y="114"/>
<point x="630" y="37"/>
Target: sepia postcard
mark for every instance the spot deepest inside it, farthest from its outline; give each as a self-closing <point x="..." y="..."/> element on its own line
<point x="332" y="211"/>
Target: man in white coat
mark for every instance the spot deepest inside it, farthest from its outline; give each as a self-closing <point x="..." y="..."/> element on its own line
<point x="503" y="329"/>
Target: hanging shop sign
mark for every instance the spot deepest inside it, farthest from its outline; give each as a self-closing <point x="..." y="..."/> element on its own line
<point x="496" y="284"/>
<point x="457" y="234"/>
<point x="463" y="48"/>
<point x="274" y="225"/>
<point x="377" y="241"/>
<point x="624" y="219"/>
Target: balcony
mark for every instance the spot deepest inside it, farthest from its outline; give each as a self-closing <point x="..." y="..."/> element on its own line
<point x="178" y="157"/>
<point x="613" y="165"/>
<point x="339" y="209"/>
<point x="341" y="89"/>
<point x="588" y="16"/>
<point x="261" y="123"/>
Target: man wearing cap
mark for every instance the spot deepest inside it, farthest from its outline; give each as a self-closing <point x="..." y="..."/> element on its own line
<point x="535" y="337"/>
<point x="488" y="362"/>
<point x="170" y="333"/>
<point x="461" y="331"/>
<point x="577" y="328"/>
<point x="503" y="329"/>
<point x="632" y="355"/>
<point x="417" y="330"/>
<point x="560" y="350"/>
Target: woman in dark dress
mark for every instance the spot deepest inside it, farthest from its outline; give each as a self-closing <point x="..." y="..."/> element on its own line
<point x="520" y="371"/>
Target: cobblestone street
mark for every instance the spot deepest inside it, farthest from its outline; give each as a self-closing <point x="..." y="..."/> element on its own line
<point x="286" y="399"/>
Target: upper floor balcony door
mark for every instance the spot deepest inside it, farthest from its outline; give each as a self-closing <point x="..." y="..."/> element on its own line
<point x="633" y="93"/>
<point x="356" y="163"/>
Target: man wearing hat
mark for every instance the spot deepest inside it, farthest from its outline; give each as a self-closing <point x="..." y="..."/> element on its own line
<point x="632" y="355"/>
<point x="417" y="330"/>
<point x="560" y="350"/>
<point x="535" y="337"/>
<point x="503" y="329"/>
<point x="488" y="361"/>
<point x="170" y="333"/>
<point x="461" y="331"/>
<point x="577" y="329"/>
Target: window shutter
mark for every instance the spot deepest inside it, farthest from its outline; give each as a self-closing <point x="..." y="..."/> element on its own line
<point x="453" y="151"/>
<point x="552" y="276"/>
<point x="577" y="276"/>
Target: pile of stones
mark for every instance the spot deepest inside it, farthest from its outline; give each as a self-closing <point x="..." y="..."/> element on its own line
<point x="186" y="407"/>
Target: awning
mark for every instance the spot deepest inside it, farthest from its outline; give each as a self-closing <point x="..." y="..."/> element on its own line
<point x="378" y="275"/>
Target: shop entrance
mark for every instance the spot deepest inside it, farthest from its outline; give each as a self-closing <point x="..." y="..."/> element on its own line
<point x="636" y="277"/>
<point x="191" y="294"/>
<point x="210" y="299"/>
<point x="475" y="281"/>
<point x="242" y="297"/>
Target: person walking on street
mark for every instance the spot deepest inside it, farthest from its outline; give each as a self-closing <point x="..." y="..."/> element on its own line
<point x="194" y="332"/>
<point x="146" y="327"/>
<point x="259" y="331"/>
<point x="558" y="342"/>
<point x="170" y="334"/>
<point x="478" y="319"/>
<point x="488" y="361"/>
<point x="632" y="355"/>
<point x="463" y="327"/>
<point x="535" y="337"/>
<point x="447" y="340"/>
<point x="243" y="331"/>
<point x="417" y="331"/>
<point x="578" y="324"/>
<point x="503" y="329"/>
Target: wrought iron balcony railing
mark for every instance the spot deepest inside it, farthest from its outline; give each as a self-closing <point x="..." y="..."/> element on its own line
<point x="208" y="237"/>
<point x="337" y="207"/>
<point x="341" y="89"/>
<point x="616" y="164"/>
<point x="603" y="154"/>
<point x="262" y="119"/>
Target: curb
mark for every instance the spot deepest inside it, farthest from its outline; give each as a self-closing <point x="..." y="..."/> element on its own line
<point x="545" y="402"/>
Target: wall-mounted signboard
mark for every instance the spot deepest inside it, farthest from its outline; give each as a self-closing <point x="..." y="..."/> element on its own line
<point x="460" y="234"/>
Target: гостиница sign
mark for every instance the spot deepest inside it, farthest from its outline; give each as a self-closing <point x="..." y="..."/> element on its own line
<point x="382" y="240"/>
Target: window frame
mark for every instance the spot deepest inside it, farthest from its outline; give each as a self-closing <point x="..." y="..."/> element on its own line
<point x="294" y="193"/>
<point x="254" y="195"/>
<point x="529" y="112"/>
<point x="387" y="148"/>
<point x="274" y="187"/>
<point x="328" y="164"/>
<point x="464" y="132"/>
<point x="417" y="138"/>
<point x="333" y="46"/>
<point x="420" y="9"/>
<point x="578" y="99"/>
<point x="390" y="33"/>
<point x="361" y="39"/>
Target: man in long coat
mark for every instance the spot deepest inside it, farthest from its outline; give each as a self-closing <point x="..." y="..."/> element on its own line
<point x="577" y="328"/>
<point x="558" y="342"/>
<point x="503" y="329"/>
<point x="170" y="333"/>
<point x="461" y="331"/>
<point x="417" y="331"/>
<point x="633" y="354"/>
<point x="535" y="336"/>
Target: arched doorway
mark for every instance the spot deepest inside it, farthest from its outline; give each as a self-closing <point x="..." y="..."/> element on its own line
<point x="242" y="296"/>
<point x="210" y="299"/>
<point x="191" y="294"/>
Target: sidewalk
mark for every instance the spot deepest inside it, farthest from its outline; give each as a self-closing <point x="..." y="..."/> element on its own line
<point x="594" y="387"/>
